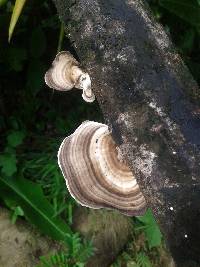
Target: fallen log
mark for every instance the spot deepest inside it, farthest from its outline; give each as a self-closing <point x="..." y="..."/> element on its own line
<point x="150" y="102"/>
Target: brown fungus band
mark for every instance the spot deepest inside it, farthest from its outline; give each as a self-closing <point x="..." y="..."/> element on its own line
<point x="65" y="74"/>
<point x="94" y="175"/>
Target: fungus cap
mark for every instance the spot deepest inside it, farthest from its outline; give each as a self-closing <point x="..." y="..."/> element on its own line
<point x="95" y="177"/>
<point x="65" y="74"/>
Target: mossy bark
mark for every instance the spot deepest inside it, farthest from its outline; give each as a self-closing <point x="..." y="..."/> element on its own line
<point x="150" y="102"/>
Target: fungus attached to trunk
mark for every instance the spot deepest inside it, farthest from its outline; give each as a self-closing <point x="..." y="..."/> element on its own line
<point x="94" y="174"/>
<point x="65" y="74"/>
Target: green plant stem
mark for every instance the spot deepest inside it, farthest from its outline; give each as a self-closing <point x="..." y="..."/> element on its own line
<point x="61" y="37"/>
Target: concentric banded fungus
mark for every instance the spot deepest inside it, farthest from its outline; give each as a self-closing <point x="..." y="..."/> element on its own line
<point x="94" y="175"/>
<point x="66" y="74"/>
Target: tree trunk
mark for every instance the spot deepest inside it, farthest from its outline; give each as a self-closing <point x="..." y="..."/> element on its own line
<point x="148" y="99"/>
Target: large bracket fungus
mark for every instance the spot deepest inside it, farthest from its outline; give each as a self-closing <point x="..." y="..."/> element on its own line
<point x="95" y="175"/>
<point x="65" y="74"/>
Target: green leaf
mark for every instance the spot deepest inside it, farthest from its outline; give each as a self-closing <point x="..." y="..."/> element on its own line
<point x="37" y="43"/>
<point x="187" y="41"/>
<point x="37" y="209"/>
<point x="15" y="58"/>
<point x="15" y="16"/>
<point x="16" y="213"/>
<point x="151" y="229"/>
<point x="189" y="10"/>
<point x="2" y="2"/>
<point x="15" y="138"/>
<point x="195" y="68"/>
<point x="8" y="162"/>
<point x="35" y="76"/>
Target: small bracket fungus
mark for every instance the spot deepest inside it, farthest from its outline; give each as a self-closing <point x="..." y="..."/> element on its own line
<point x="94" y="174"/>
<point x="65" y="74"/>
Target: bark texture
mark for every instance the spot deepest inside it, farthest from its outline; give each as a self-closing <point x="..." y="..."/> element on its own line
<point x="149" y="100"/>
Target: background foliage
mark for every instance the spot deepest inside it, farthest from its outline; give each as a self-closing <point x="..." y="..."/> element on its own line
<point x="34" y="120"/>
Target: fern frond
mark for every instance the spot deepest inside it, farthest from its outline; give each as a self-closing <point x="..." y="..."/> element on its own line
<point x="142" y="260"/>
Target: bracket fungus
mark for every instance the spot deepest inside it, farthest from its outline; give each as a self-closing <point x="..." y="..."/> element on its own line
<point x="94" y="174"/>
<point x="65" y="74"/>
